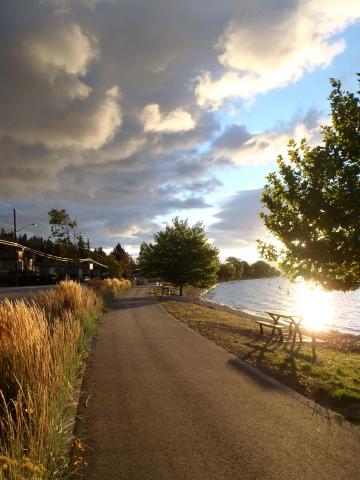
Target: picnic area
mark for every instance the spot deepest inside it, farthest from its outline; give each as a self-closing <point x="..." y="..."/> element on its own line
<point x="282" y="349"/>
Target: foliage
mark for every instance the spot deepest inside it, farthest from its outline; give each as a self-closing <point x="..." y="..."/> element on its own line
<point x="43" y="344"/>
<point x="63" y="228"/>
<point x="261" y="269"/>
<point x="226" y="272"/>
<point x="124" y="260"/>
<point x="313" y="202"/>
<point x="110" y="287"/>
<point x="235" y="269"/>
<point x="238" y="265"/>
<point x="182" y="255"/>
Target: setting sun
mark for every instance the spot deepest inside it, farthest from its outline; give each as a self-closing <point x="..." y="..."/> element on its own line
<point x="314" y="305"/>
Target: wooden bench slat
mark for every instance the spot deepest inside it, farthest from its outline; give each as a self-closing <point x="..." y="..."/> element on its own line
<point x="272" y="325"/>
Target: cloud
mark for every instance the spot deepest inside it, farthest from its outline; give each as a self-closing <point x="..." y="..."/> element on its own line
<point x="44" y="92"/>
<point x="260" y="58"/>
<point x="176" y="121"/>
<point x="239" y="224"/>
<point x="98" y="113"/>
<point x="61" y="48"/>
<point x="66" y="6"/>
<point x="240" y="147"/>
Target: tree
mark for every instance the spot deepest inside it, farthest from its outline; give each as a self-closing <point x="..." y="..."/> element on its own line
<point x="313" y="202"/>
<point x="124" y="259"/>
<point x="238" y="265"/>
<point x="261" y="269"/>
<point x="119" y="253"/>
<point x="115" y="270"/>
<point x="63" y="228"/>
<point x="226" y="272"/>
<point x="181" y="255"/>
<point x="246" y="269"/>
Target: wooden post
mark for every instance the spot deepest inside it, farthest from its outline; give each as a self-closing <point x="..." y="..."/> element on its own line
<point x="313" y="345"/>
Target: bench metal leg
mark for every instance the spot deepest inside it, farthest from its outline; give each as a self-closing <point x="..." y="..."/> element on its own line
<point x="281" y="335"/>
<point x="261" y="329"/>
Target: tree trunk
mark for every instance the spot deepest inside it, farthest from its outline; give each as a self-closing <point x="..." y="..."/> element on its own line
<point x="181" y="289"/>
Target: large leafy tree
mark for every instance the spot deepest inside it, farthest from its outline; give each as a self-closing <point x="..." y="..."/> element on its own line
<point x="182" y="255"/>
<point x="313" y="202"/>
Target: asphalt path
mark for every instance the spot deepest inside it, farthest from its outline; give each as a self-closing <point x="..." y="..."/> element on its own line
<point x="14" y="293"/>
<point x="160" y="402"/>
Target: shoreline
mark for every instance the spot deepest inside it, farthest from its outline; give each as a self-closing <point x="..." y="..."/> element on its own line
<point x="348" y="342"/>
<point x="327" y="374"/>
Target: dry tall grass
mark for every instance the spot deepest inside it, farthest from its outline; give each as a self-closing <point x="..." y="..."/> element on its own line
<point x="110" y="286"/>
<point x="43" y="344"/>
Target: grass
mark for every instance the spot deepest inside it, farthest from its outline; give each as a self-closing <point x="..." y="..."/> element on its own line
<point x="333" y="380"/>
<point x="109" y="288"/>
<point x="43" y="347"/>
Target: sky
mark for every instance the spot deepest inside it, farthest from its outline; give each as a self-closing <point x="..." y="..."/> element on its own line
<point x="130" y="112"/>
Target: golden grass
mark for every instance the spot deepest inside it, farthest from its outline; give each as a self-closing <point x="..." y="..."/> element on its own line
<point x="110" y="287"/>
<point x="43" y="344"/>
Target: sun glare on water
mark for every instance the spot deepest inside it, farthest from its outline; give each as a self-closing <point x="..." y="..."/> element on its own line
<point x="314" y="305"/>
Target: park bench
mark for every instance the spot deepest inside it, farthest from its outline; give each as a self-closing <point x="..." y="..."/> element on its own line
<point x="168" y="290"/>
<point x="280" y="322"/>
<point x="294" y="324"/>
<point x="274" y="327"/>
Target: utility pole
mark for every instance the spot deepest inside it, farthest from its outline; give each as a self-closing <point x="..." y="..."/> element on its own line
<point x="15" y="250"/>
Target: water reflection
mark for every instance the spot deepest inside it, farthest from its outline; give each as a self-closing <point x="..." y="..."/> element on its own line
<point x="321" y="309"/>
<point x="314" y="304"/>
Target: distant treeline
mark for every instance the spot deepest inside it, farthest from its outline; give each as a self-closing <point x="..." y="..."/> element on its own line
<point x="236" y="269"/>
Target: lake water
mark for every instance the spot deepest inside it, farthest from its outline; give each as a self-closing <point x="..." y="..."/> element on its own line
<point x="321" y="310"/>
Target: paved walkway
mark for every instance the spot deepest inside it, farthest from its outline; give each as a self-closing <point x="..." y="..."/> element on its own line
<point x="162" y="403"/>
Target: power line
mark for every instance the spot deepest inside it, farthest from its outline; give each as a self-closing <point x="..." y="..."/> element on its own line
<point x="6" y="204"/>
<point x="12" y="207"/>
<point x="49" y="255"/>
<point x="6" y="224"/>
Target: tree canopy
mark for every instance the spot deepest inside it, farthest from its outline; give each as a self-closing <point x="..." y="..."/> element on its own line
<point x="182" y="255"/>
<point x="63" y="227"/>
<point x="236" y="269"/>
<point x="313" y="201"/>
<point x="126" y="263"/>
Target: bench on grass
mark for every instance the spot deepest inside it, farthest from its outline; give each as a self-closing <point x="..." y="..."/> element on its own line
<point x="167" y="290"/>
<point x="274" y="326"/>
<point x="293" y="323"/>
